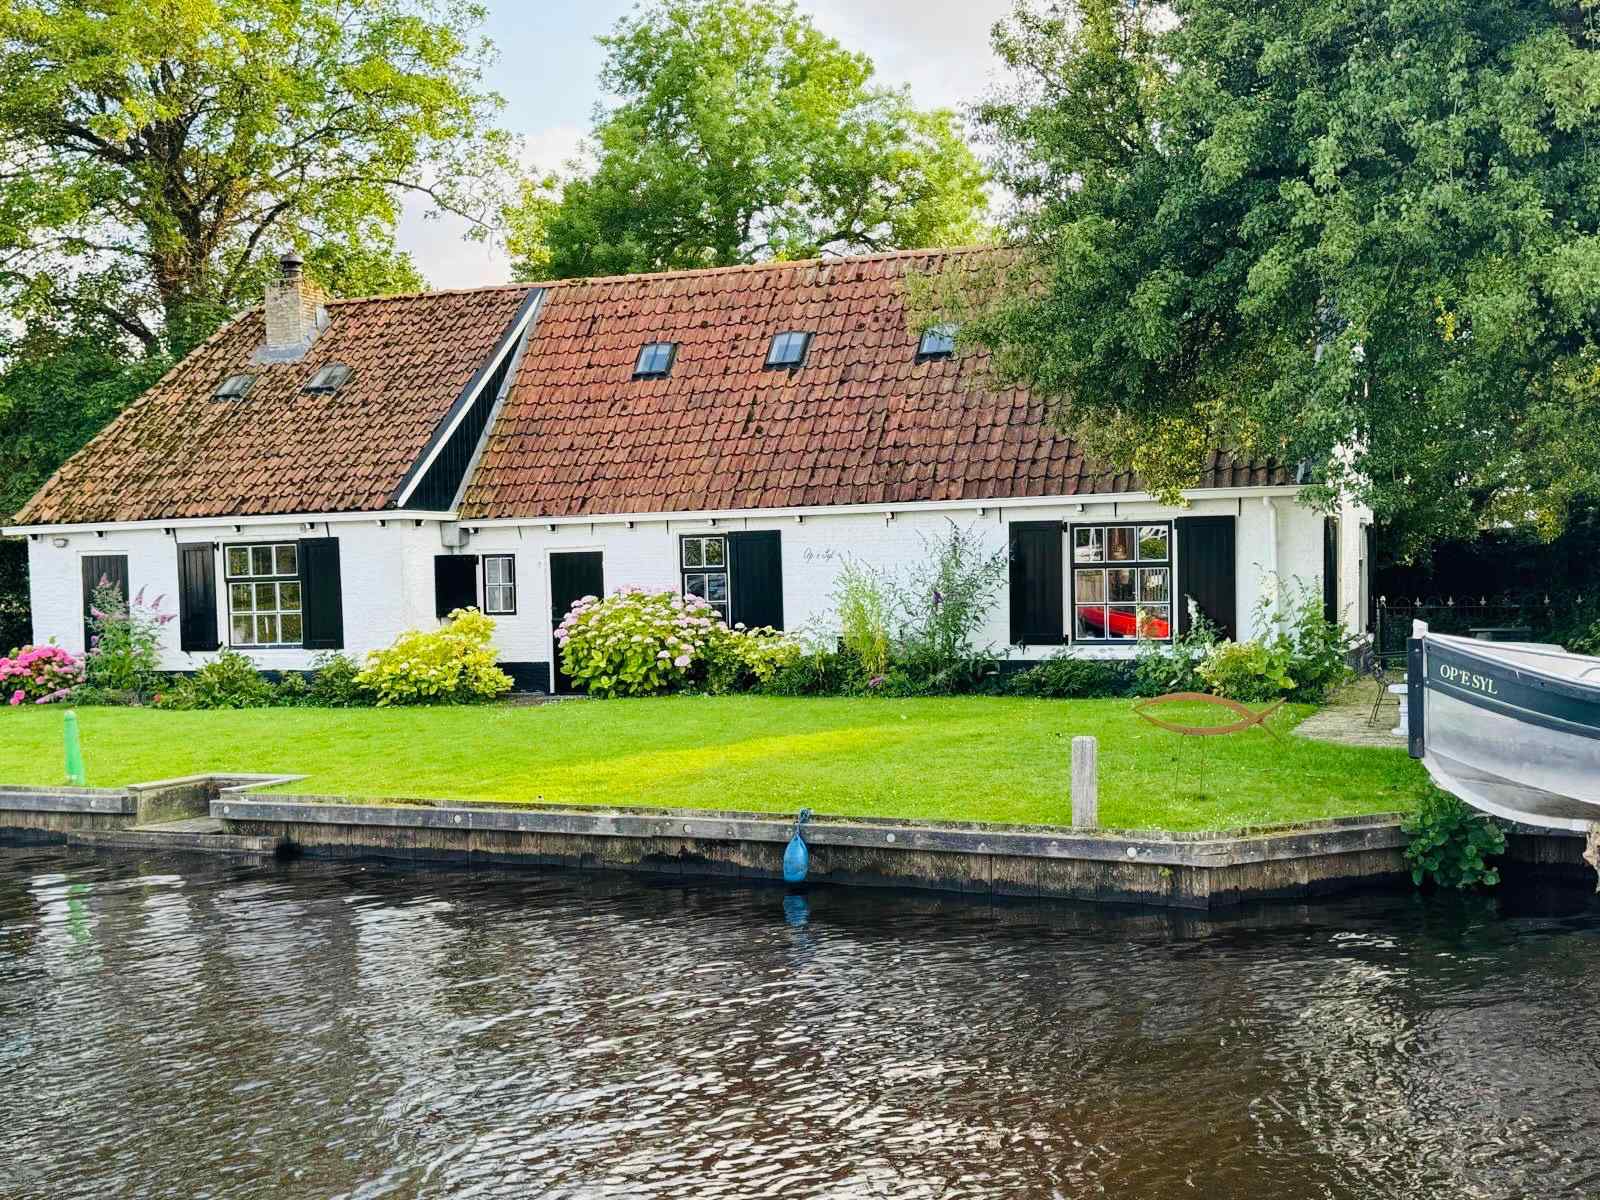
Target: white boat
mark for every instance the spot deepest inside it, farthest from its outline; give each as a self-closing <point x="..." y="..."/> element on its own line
<point x="1513" y="728"/>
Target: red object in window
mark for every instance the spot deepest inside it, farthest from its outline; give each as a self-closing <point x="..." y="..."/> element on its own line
<point x="1124" y="625"/>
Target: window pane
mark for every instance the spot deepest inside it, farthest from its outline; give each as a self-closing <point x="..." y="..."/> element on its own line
<point x="243" y="628"/>
<point x="692" y="553"/>
<point x="1091" y="623"/>
<point x="266" y="630"/>
<point x="713" y="552"/>
<point x="1121" y="583"/>
<point x="1119" y="544"/>
<point x="717" y="588"/>
<point x="497" y="570"/>
<point x="238" y="560"/>
<point x="1155" y="622"/>
<point x="289" y="597"/>
<point x="286" y="560"/>
<point x="1088" y="545"/>
<point x="261" y="560"/>
<point x="1153" y="543"/>
<point x="241" y="597"/>
<point x="1154" y="585"/>
<point x="1089" y="586"/>
<point x="1123" y="622"/>
<point x="499" y="598"/>
<point x="694" y="585"/>
<point x="290" y="625"/>
<point x="266" y="596"/>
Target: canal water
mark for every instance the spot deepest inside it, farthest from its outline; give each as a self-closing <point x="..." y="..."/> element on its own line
<point x="178" y="1027"/>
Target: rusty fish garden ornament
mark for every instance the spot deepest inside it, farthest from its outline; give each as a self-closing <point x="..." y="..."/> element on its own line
<point x="1193" y="773"/>
<point x="1247" y="718"/>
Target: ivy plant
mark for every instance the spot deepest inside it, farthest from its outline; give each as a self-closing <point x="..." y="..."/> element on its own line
<point x="1451" y="844"/>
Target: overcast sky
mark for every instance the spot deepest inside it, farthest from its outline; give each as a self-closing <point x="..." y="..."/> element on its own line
<point x="549" y="63"/>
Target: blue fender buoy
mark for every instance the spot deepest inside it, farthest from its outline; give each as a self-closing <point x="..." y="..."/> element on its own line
<point x="796" y="858"/>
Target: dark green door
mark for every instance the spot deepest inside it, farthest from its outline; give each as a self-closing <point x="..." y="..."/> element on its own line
<point x="573" y="576"/>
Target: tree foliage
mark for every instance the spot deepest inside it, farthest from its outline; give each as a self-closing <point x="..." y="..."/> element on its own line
<point x="155" y="158"/>
<point x="1363" y="234"/>
<point x="743" y="133"/>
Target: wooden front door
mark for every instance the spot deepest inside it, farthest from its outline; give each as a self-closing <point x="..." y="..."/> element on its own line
<point x="572" y="577"/>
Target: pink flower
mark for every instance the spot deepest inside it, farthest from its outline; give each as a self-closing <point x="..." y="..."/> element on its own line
<point x="18" y="696"/>
<point x="682" y="660"/>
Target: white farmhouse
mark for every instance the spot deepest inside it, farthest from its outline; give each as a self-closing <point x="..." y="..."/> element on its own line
<point x="323" y="474"/>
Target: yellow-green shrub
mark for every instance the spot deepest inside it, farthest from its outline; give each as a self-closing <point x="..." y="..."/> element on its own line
<point x="451" y="665"/>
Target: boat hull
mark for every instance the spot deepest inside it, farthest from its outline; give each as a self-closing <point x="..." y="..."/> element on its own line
<point x="1515" y="732"/>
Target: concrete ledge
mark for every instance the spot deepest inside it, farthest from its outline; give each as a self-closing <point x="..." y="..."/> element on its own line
<point x="1189" y="871"/>
<point x="66" y="800"/>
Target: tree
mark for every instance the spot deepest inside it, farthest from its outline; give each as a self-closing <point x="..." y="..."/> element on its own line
<point x="155" y="160"/>
<point x="743" y="133"/>
<point x="1363" y="235"/>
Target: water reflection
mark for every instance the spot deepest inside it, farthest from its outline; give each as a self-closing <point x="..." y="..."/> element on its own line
<point x="177" y="1027"/>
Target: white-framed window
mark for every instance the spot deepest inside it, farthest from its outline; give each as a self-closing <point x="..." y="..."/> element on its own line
<point x="705" y="570"/>
<point x="655" y="360"/>
<point x="938" y="341"/>
<point x="500" y="585"/>
<point x="1122" y="582"/>
<point x="264" y="600"/>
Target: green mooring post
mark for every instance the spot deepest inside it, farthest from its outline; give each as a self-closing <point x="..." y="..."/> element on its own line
<point x="69" y="732"/>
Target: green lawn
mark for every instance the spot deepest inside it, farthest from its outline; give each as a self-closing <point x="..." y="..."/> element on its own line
<point x="984" y="759"/>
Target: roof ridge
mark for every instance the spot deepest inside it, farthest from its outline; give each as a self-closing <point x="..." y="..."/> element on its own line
<point x="428" y="293"/>
<point x="772" y="264"/>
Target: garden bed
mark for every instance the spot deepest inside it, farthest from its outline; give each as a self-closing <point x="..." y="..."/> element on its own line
<point x="951" y="759"/>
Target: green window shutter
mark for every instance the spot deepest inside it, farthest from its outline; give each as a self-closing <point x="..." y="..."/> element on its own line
<point x="321" y="595"/>
<point x="197" y="596"/>
<point x="455" y="583"/>
<point x="1207" y="572"/>
<point x="1037" y="584"/>
<point x="755" y="579"/>
<point x="113" y="568"/>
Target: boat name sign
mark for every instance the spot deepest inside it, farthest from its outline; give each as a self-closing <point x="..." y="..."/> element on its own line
<point x="1470" y="680"/>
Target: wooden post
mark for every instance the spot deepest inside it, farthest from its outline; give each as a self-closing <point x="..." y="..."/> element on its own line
<point x="1085" y="783"/>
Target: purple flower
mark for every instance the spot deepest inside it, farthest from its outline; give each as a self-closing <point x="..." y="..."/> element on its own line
<point x="938" y="598"/>
<point x="876" y="681"/>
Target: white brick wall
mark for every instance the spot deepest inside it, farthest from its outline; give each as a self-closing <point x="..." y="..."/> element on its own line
<point x="387" y="570"/>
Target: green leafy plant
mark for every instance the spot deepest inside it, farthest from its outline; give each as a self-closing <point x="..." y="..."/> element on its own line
<point x="739" y="660"/>
<point x="636" y="643"/>
<point x="1317" y="649"/>
<point x="1251" y="672"/>
<point x="1451" y="843"/>
<point x="124" y="643"/>
<point x="454" y="664"/>
<point x="1066" y="677"/>
<point x="862" y="600"/>
<point x="941" y="604"/>
<point x="335" y="682"/>
<point x="1162" y="667"/>
<point x="816" y="671"/>
<point x="228" y="681"/>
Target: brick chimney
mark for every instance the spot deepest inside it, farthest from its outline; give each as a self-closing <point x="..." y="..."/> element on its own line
<point x="294" y="310"/>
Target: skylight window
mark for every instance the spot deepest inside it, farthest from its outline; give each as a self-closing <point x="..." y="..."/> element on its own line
<point x="329" y="379"/>
<point x="655" y="360"/>
<point x="788" y="349"/>
<point x="938" y="341"/>
<point x="233" y="387"/>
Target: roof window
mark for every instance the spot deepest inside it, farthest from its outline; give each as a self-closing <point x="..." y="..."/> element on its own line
<point x="329" y="379"/>
<point x="788" y="349"/>
<point x="233" y="387"/>
<point x="938" y="341"/>
<point x="655" y="360"/>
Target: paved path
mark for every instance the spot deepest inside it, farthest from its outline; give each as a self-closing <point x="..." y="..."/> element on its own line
<point x="1344" y="719"/>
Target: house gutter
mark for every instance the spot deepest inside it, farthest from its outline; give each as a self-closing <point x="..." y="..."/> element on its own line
<point x="1081" y="503"/>
<point x="307" y="519"/>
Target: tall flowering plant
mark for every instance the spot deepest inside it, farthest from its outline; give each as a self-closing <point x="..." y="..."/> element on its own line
<point x="637" y="643"/>
<point x="124" y="640"/>
<point x="39" y="675"/>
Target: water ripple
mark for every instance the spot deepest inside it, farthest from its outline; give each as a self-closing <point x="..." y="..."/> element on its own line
<point x="172" y="1027"/>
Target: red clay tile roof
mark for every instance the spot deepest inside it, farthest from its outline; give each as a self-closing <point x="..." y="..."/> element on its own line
<point x="860" y="423"/>
<point x="176" y="452"/>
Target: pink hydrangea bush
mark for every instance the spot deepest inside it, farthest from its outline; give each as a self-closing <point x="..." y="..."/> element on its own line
<point x="39" y="675"/>
<point x="636" y="643"/>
